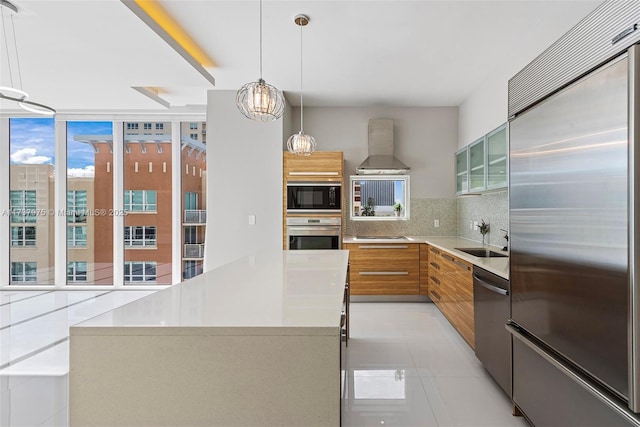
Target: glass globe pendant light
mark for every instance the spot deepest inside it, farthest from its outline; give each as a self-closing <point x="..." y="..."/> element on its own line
<point x="300" y="143"/>
<point x="259" y="100"/>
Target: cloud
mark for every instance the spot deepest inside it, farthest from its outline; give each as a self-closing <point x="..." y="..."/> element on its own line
<point x="27" y="156"/>
<point x="88" y="171"/>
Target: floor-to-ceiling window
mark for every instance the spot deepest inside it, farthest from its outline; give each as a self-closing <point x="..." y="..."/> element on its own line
<point x="194" y="206"/>
<point x="32" y="175"/>
<point x="89" y="203"/>
<point x="142" y="178"/>
<point x="147" y="203"/>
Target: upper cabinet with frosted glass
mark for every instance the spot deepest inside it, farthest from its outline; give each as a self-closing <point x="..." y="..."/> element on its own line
<point x="462" y="171"/>
<point x="483" y="164"/>
<point x="497" y="158"/>
<point x="379" y="197"/>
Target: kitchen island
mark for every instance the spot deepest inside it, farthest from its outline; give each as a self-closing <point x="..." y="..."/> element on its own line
<point x="254" y="342"/>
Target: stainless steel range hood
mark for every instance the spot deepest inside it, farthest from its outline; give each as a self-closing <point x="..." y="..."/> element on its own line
<point x="381" y="160"/>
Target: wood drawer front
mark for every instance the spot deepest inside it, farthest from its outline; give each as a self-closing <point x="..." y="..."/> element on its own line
<point x="384" y="285"/>
<point x="321" y="164"/>
<point x="455" y="264"/>
<point x="384" y="255"/>
<point x="384" y="268"/>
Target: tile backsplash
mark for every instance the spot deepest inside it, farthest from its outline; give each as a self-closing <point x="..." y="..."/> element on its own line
<point x="454" y="215"/>
<point x="493" y="208"/>
<point x="420" y="223"/>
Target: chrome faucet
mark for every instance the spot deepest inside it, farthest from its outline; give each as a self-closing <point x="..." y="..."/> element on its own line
<point x="505" y="237"/>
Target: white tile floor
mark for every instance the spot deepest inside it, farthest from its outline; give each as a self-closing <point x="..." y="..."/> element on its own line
<point x="406" y="365"/>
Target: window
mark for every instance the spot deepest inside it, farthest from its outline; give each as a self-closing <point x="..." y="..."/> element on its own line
<point x="138" y="271"/>
<point x="139" y="235"/>
<point x="194" y="136"/>
<point x="77" y="271"/>
<point x="23" y="236"/>
<point x="191" y="234"/>
<point x="147" y="126"/>
<point x="191" y="269"/>
<point x="23" y="206"/>
<point x="132" y="126"/>
<point x="77" y="206"/>
<point x="377" y="197"/>
<point x="193" y="125"/>
<point x="190" y="201"/>
<point x="159" y="126"/>
<point x="140" y="200"/>
<point x="77" y="235"/>
<point x="24" y="271"/>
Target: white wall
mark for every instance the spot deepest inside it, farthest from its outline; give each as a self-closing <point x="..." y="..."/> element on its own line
<point x="484" y="110"/>
<point x="425" y="140"/>
<point x="244" y="177"/>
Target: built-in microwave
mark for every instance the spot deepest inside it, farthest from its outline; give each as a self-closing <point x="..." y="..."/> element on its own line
<point x="314" y="197"/>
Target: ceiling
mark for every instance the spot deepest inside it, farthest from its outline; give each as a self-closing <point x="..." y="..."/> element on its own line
<point x="79" y="55"/>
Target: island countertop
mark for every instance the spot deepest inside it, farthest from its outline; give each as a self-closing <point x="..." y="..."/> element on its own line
<point x="255" y="342"/>
<point x="287" y="290"/>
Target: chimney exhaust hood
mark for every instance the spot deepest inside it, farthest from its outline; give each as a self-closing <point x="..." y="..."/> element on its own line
<point x="381" y="160"/>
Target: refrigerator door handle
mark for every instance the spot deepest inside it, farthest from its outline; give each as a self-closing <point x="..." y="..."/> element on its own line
<point x="577" y="377"/>
<point x="490" y="287"/>
<point x="633" y="228"/>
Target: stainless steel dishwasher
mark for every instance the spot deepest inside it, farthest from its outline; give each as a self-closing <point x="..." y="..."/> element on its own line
<point x="491" y="311"/>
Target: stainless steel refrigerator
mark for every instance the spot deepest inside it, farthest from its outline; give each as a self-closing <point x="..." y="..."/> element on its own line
<point x="575" y="225"/>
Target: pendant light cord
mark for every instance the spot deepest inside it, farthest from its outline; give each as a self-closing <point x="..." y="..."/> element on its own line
<point x="15" y="47"/>
<point x="6" y="46"/>
<point x="260" y="39"/>
<point x="301" y="105"/>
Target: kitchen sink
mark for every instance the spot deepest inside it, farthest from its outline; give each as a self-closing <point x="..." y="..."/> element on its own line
<point x="482" y="252"/>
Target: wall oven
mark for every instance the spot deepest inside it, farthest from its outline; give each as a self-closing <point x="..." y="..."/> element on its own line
<point x="314" y="197"/>
<point x="314" y="233"/>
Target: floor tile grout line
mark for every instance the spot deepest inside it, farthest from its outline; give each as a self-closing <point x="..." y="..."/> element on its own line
<point x="52" y="311"/>
<point x="27" y="298"/>
<point x="33" y="353"/>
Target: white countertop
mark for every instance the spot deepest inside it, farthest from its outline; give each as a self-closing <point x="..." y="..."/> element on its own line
<point x="499" y="266"/>
<point x="265" y="294"/>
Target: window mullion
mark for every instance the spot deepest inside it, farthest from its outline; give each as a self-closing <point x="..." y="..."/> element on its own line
<point x="60" y="205"/>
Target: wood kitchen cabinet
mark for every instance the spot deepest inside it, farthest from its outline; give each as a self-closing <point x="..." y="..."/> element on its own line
<point x="450" y="287"/>
<point x="424" y="269"/>
<point x="384" y="268"/>
<point x="319" y="165"/>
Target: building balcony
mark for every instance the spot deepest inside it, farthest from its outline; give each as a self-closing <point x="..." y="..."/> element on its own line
<point x="195" y="217"/>
<point x="193" y="250"/>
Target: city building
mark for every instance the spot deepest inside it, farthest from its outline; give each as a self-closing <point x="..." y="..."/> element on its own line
<point x="147" y="212"/>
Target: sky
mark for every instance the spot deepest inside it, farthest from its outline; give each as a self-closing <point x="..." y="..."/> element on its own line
<point x="32" y="141"/>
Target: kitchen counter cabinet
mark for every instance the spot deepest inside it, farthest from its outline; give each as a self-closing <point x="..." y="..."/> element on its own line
<point x="384" y="268"/>
<point x="451" y="289"/>
<point x="255" y="342"/>
<point x="424" y="269"/>
<point x="499" y="266"/>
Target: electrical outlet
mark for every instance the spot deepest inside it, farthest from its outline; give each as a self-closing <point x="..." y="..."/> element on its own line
<point x="475" y="224"/>
<point x="252" y="220"/>
<point x="470" y="224"/>
<point x="436" y="223"/>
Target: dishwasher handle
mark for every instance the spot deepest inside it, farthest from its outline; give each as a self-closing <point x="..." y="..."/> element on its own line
<point x="490" y="287"/>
